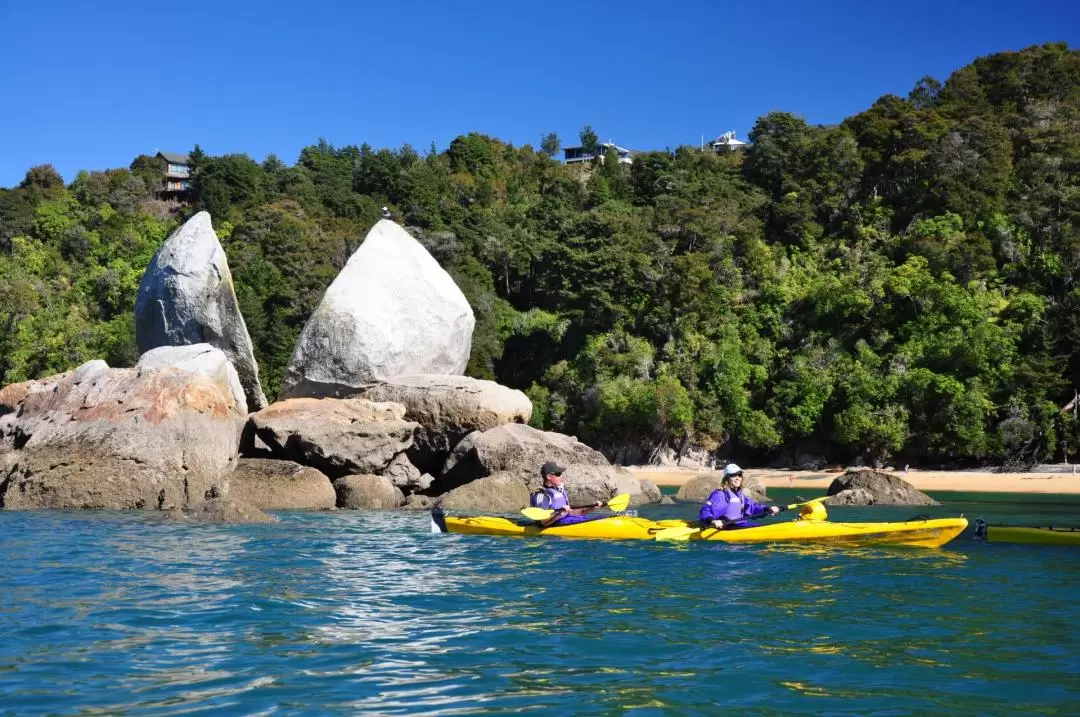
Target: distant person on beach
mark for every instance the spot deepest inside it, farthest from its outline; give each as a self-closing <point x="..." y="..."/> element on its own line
<point x="728" y="506"/>
<point x="552" y="496"/>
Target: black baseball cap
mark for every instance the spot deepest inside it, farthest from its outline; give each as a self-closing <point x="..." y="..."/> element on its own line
<point x="551" y="467"/>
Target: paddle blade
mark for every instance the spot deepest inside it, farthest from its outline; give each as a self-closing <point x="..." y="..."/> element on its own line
<point x="675" y="533"/>
<point x="619" y="502"/>
<point x="537" y="513"/>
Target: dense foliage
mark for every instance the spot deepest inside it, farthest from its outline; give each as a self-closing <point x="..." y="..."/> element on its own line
<point x="903" y="284"/>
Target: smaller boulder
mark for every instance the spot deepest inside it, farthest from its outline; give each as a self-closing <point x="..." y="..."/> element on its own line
<point x="229" y="510"/>
<point x="418" y="502"/>
<point x="367" y="491"/>
<point x="877" y="488"/>
<point x="503" y="493"/>
<point x="700" y="487"/>
<point x="347" y="436"/>
<point x="281" y="485"/>
<point x="852" y="496"/>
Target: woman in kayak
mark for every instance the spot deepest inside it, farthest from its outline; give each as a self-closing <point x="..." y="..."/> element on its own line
<point x="728" y="507"/>
<point x="552" y="496"/>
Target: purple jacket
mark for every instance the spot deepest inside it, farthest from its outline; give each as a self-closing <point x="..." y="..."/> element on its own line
<point x="730" y="505"/>
<point x="550" y="497"/>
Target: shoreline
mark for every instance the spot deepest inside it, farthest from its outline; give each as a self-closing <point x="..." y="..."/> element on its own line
<point x="976" y="481"/>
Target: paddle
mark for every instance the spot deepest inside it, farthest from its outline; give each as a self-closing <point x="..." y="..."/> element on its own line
<point x="685" y="533"/>
<point x="617" y="504"/>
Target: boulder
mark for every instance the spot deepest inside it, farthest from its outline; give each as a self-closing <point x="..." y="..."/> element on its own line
<point x="418" y="502"/>
<point x="448" y="408"/>
<point x="205" y="360"/>
<point x="698" y="488"/>
<point x="405" y="475"/>
<point x="872" y="487"/>
<point x="367" y="491"/>
<point x="281" y="485"/>
<point x="392" y="311"/>
<point x="186" y="297"/>
<point x="229" y="510"/>
<point x="852" y="496"/>
<point x="500" y="493"/>
<point x="339" y="436"/>
<point x="517" y="448"/>
<point x="118" y="438"/>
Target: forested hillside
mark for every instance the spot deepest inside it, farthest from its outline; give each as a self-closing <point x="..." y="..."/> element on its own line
<point x="901" y="285"/>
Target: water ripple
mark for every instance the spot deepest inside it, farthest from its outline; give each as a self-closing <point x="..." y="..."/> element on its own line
<point x="367" y="613"/>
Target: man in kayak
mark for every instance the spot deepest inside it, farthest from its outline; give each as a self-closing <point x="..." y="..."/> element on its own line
<point x="552" y="496"/>
<point x="728" y="506"/>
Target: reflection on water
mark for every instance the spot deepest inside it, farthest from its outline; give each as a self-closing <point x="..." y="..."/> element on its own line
<point x="368" y="613"/>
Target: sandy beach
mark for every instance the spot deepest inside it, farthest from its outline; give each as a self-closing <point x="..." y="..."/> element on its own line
<point x="1062" y="480"/>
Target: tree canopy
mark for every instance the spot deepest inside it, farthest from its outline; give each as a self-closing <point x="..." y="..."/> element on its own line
<point x="903" y="284"/>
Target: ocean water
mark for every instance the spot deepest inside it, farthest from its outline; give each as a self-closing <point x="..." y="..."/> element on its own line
<point x="357" y="613"/>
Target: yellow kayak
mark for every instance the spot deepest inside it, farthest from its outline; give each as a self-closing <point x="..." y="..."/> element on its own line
<point x="920" y="533"/>
<point x="928" y="533"/>
<point x="1027" y="536"/>
<point x="616" y="527"/>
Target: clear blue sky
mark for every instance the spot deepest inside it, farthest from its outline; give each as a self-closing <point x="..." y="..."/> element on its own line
<point x="86" y="85"/>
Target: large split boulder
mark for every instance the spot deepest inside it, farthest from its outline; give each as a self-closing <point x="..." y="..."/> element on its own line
<point x="339" y="436"/>
<point x="187" y="297"/>
<point x="448" y="408"/>
<point x="118" y="438"/>
<point x="391" y="311"/>
<point x="281" y="485"/>
<point x="700" y="487"/>
<point x="872" y="487"/>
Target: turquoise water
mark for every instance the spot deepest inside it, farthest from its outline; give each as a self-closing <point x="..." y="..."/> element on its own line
<point x="367" y="613"/>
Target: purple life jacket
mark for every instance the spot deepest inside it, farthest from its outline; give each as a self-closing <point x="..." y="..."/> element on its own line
<point x="550" y="497"/>
<point x="734" y="508"/>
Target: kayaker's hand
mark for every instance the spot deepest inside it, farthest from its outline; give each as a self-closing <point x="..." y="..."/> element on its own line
<point x="773" y="509"/>
<point x="718" y="524"/>
<point x="598" y="504"/>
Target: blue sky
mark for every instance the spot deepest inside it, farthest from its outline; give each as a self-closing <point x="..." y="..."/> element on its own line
<point x="91" y="85"/>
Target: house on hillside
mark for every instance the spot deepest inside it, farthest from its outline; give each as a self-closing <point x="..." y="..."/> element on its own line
<point x="726" y="143"/>
<point x="575" y="155"/>
<point x="177" y="172"/>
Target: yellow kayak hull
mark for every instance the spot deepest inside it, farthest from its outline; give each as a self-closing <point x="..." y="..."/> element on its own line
<point x="614" y="528"/>
<point x="920" y="533"/>
<point x="1027" y="536"/>
<point x="930" y="533"/>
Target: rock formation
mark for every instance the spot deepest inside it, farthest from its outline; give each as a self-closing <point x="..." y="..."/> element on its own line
<point x="187" y="297"/>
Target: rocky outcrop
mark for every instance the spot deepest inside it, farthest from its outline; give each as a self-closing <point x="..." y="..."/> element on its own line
<point x="698" y="488"/>
<point x="872" y="487"/>
<point x="281" y="485"/>
<point x="203" y="359"/>
<point x="392" y="311"/>
<point x="187" y="297"/>
<point x="367" y="491"/>
<point x="337" y="436"/>
<point x="448" y="408"/>
<point x="118" y="438"/>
